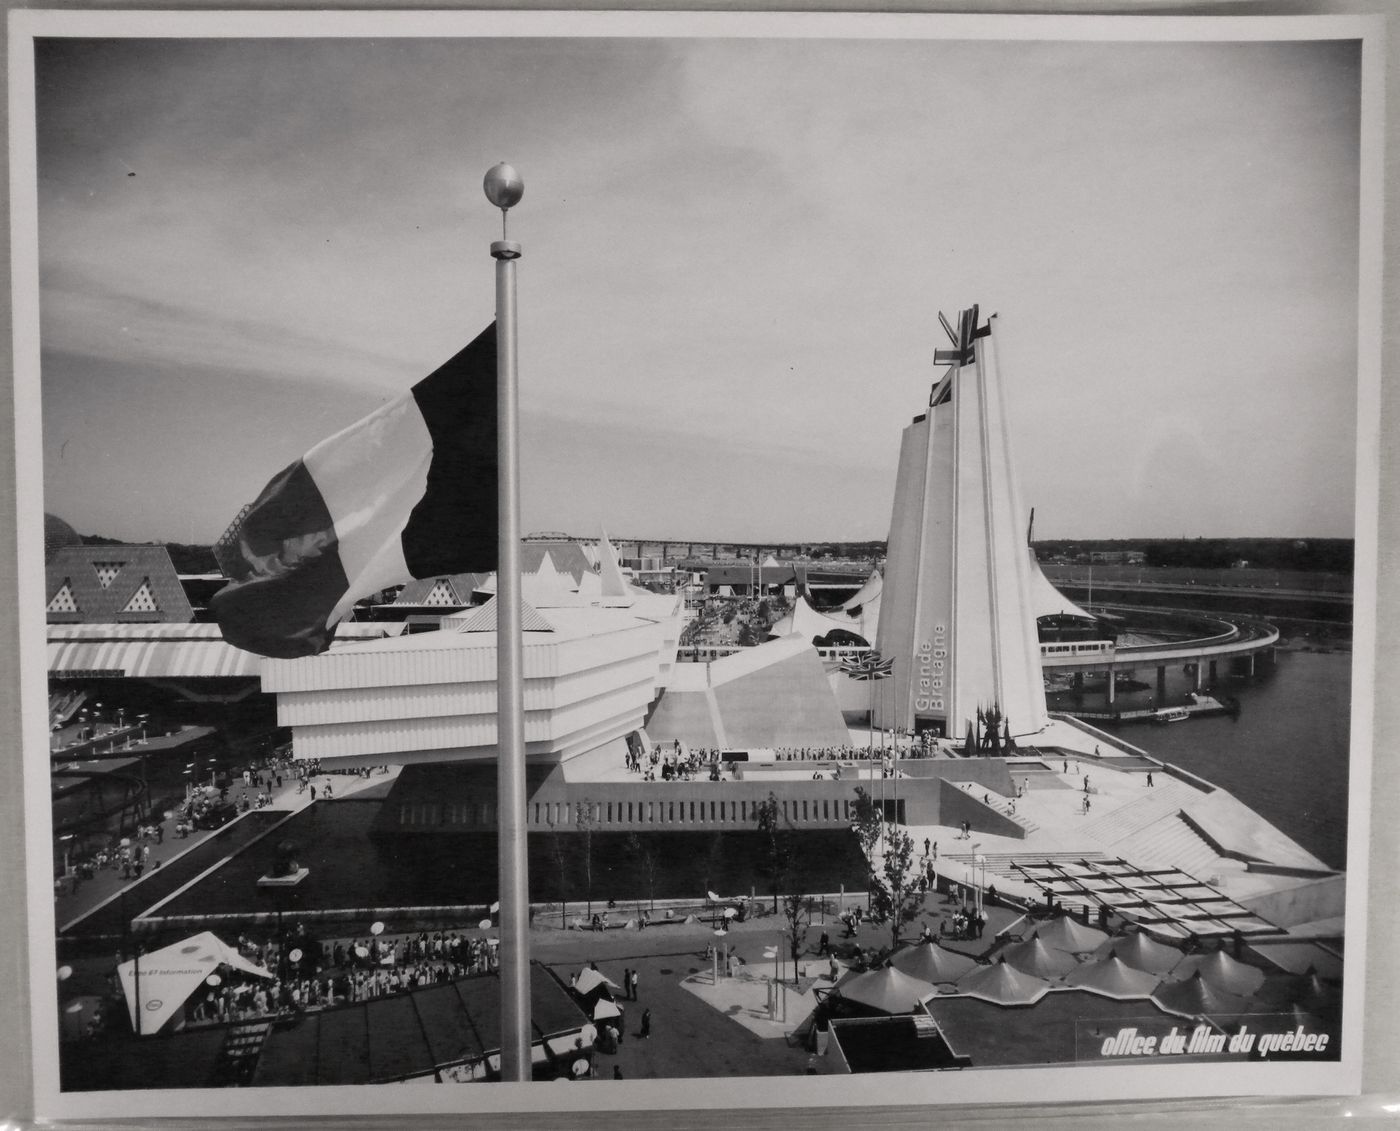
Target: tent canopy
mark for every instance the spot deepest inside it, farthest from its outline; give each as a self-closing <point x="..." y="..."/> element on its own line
<point x="1066" y="933"/>
<point x="590" y="979"/>
<point x="1034" y="957"/>
<point x="166" y="978"/>
<point x="1142" y="952"/>
<point x="1003" y="985"/>
<point x="1112" y="977"/>
<point x="1222" y="972"/>
<point x="929" y="962"/>
<point x="1195" y="997"/>
<point x="888" y="990"/>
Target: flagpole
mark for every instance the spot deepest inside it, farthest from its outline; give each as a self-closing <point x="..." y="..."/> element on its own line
<point x="504" y="188"/>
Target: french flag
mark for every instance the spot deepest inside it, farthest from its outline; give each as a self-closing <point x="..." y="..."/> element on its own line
<point x="407" y="492"/>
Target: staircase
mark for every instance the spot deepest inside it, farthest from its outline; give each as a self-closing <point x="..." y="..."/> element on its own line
<point x="996" y="802"/>
<point x="1172" y="843"/>
<point x="1167" y="799"/>
<point x="239" y="1056"/>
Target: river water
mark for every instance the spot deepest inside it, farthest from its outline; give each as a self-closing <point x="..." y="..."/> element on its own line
<point x="1287" y="754"/>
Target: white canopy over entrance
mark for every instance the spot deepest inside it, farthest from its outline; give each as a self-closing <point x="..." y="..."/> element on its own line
<point x="169" y="976"/>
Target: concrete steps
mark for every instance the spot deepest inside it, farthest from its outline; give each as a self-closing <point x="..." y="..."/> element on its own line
<point x="997" y="803"/>
<point x="1172" y="843"/>
<point x="1127" y="820"/>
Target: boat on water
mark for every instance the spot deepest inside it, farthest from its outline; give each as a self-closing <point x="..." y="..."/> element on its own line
<point x="1170" y="715"/>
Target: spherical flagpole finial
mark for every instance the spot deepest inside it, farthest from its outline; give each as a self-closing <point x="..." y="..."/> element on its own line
<point x="503" y="186"/>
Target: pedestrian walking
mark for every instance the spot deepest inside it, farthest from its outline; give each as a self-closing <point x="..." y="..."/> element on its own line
<point x="634" y="985"/>
<point x="1149" y="780"/>
<point x="617" y="1072"/>
<point x="646" y="1024"/>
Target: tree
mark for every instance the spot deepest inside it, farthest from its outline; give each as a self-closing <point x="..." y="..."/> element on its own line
<point x="897" y="895"/>
<point x="867" y="823"/>
<point x="561" y="859"/>
<point x="585" y="821"/>
<point x="778" y="855"/>
<point x="797" y="910"/>
<point x="645" y="856"/>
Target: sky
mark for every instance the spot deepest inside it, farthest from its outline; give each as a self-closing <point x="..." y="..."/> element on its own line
<point x="735" y="251"/>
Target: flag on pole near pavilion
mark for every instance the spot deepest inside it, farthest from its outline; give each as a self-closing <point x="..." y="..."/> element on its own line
<point x="407" y="492"/>
<point x="869" y="666"/>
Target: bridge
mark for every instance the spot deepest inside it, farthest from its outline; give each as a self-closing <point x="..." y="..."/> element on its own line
<point x="1238" y="640"/>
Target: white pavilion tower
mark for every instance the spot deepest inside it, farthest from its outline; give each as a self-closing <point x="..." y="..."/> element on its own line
<point x="958" y="616"/>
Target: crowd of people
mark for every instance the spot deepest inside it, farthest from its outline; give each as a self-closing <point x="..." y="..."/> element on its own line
<point x="682" y="763"/>
<point x="316" y="975"/>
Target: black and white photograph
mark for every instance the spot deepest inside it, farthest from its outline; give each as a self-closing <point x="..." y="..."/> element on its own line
<point x="712" y="558"/>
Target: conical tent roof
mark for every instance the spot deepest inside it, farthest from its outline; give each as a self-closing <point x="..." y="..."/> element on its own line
<point x="1033" y="957"/>
<point x="889" y="990"/>
<point x="932" y="963"/>
<point x="1303" y="991"/>
<point x="1003" y="985"/>
<point x="1140" y="951"/>
<point x="1112" y="977"/>
<point x="1066" y="933"/>
<point x="167" y="977"/>
<point x="1195" y="997"/>
<point x="1222" y="972"/>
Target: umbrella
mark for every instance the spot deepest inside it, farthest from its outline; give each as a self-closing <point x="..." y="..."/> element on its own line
<point x="1222" y="972"/>
<point x="1195" y="997"/>
<point x="1140" y="951"/>
<point x="1003" y="985"/>
<point x="1034" y="957"/>
<point x="931" y="963"/>
<point x="1065" y="933"/>
<point x="605" y="1008"/>
<point x="1112" y="977"/>
<point x="485" y="925"/>
<point x="376" y="928"/>
<point x="887" y="990"/>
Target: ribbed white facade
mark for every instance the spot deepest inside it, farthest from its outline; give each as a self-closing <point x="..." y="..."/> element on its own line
<point x="588" y="682"/>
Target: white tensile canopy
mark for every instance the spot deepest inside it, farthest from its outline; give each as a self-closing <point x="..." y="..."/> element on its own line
<point x="1034" y="957"/>
<point x="1112" y="977"/>
<point x="1003" y="985"/>
<point x="1142" y="952"/>
<point x="590" y="979"/>
<point x="169" y="976"/>
<point x="888" y="990"/>
<point x="931" y="963"/>
<point x="1066" y="933"/>
<point x="606" y="1008"/>
<point x="1222" y="972"/>
<point x="1195" y="997"/>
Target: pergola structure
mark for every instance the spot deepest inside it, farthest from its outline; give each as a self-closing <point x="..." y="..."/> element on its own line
<point x="1167" y="902"/>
